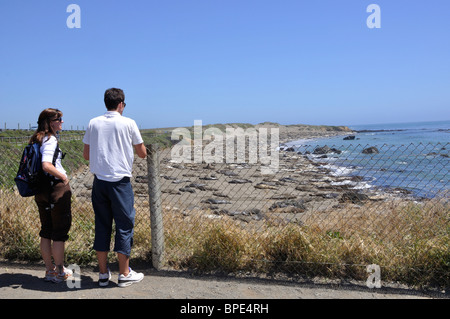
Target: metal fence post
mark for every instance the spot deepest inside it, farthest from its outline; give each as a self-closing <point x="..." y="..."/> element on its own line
<point x="156" y="219"/>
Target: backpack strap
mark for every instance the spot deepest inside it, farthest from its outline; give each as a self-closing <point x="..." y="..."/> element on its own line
<point x="55" y="155"/>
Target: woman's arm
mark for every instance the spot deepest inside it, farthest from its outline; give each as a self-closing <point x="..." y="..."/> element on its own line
<point x="51" y="169"/>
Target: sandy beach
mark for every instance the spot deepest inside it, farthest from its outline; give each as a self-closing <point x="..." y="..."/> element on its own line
<point x="299" y="191"/>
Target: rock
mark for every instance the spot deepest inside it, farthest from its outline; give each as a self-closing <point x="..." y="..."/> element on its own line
<point x="371" y="150"/>
<point x="288" y="180"/>
<point x="248" y="216"/>
<point x="201" y="187"/>
<point x="335" y="150"/>
<point x="187" y="189"/>
<point x="215" y="201"/>
<point x="355" y="198"/>
<point x="239" y="181"/>
<point x="350" y="137"/>
<point x="228" y="173"/>
<point x="141" y="189"/>
<point x="253" y="211"/>
<point x="245" y="216"/>
<point x="306" y="188"/>
<point x="326" y="195"/>
<point x="325" y="150"/>
<point x="180" y="181"/>
<point x="378" y="197"/>
<point x="171" y="191"/>
<point x="220" y="195"/>
<point x="297" y="204"/>
<point x="322" y="150"/>
<point x="265" y="186"/>
<point x="141" y="179"/>
<point x="283" y="196"/>
<point x="208" y="178"/>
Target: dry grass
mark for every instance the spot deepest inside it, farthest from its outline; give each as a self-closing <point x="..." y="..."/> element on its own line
<point x="409" y="240"/>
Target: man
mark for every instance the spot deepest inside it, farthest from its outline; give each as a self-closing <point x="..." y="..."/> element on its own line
<point x="108" y="145"/>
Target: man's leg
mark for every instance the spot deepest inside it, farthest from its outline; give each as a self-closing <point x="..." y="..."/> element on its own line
<point x="102" y="257"/>
<point x="103" y="222"/>
<point x="122" y="198"/>
<point x="124" y="264"/>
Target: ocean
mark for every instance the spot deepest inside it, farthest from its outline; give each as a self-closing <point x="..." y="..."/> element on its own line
<point x="413" y="157"/>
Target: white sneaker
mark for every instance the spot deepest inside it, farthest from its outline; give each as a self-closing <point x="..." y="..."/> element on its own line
<point x="125" y="281"/>
<point x="63" y="275"/>
<point x="103" y="279"/>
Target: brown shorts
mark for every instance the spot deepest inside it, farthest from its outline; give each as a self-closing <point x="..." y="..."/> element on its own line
<point x="54" y="204"/>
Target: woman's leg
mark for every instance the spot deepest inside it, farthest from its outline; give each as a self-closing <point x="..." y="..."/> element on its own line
<point x="46" y="252"/>
<point x="58" y="254"/>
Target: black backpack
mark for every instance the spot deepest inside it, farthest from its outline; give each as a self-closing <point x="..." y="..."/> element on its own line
<point x="30" y="177"/>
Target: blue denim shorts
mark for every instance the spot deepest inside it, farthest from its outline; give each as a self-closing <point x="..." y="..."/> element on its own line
<point x="113" y="201"/>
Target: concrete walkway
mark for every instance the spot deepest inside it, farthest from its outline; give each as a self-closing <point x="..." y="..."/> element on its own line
<point x="20" y="281"/>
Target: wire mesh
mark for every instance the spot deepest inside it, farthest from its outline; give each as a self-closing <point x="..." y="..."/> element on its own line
<point x="328" y="211"/>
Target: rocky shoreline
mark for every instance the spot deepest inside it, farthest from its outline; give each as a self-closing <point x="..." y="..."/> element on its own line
<point x="301" y="188"/>
<point x="295" y="132"/>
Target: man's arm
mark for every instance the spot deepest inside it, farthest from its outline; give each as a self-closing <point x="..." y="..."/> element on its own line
<point x="86" y="152"/>
<point x="141" y="150"/>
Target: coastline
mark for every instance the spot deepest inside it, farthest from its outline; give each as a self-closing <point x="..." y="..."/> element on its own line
<point x="301" y="190"/>
<point x="303" y="185"/>
<point x="411" y="161"/>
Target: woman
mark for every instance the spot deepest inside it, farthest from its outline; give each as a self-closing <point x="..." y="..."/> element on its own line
<point x="54" y="199"/>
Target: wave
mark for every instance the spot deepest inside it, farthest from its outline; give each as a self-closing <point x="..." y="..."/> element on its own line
<point x="338" y="170"/>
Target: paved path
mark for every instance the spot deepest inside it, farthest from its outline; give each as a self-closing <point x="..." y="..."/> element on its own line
<point x="18" y="281"/>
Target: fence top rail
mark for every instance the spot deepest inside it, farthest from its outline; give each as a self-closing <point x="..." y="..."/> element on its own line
<point x="21" y="138"/>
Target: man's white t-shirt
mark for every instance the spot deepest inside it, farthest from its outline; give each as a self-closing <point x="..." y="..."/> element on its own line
<point x="111" y="138"/>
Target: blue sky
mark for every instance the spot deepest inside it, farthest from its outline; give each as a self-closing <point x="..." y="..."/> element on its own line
<point x="285" y="61"/>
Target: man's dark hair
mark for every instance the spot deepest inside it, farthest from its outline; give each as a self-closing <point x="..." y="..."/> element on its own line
<point x="113" y="97"/>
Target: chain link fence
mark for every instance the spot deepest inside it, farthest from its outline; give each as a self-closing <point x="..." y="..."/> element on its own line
<point x="328" y="212"/>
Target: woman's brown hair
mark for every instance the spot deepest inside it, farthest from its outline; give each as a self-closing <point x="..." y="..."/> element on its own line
<point x="44" y="127"/>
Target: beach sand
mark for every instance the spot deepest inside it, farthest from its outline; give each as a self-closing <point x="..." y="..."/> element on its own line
<point x="297" y="192"/>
